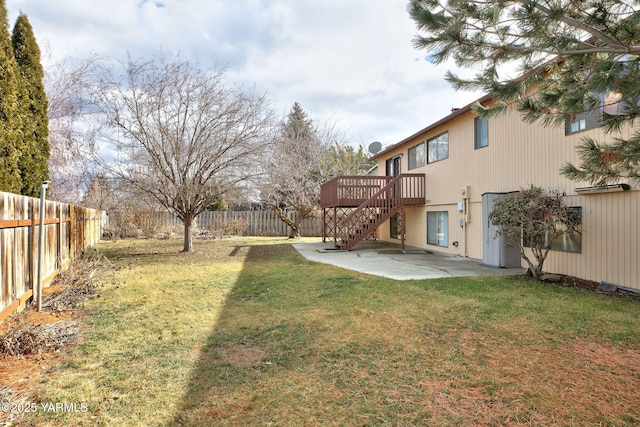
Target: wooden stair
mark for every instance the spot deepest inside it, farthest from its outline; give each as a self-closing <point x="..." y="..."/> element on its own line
<point x="354" y="231"/>
<point x="370" y="214"/>
<point x="369" y="201"/>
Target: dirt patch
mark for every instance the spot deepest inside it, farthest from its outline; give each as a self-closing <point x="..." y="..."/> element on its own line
<point x="30" y="339"/>
<point x="244" y="355"/>
<point x="536" y="384"/>
<point x="29" y="342"/>
<point x="575" y="282"/>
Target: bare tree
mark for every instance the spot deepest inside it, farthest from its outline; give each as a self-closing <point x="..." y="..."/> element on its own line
<point x="68" y="84"/>
<point x="101" y="194"/>
<point x="179" y="134"/>
<point x="293" y="168"/>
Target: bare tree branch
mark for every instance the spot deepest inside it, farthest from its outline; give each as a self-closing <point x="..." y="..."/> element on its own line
<point x="180" y="134"/>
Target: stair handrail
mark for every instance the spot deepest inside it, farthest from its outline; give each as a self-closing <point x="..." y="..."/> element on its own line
<point x="366" y="203"/>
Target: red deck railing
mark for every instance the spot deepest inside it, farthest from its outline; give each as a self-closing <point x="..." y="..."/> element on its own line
<point x="350" y="191"/>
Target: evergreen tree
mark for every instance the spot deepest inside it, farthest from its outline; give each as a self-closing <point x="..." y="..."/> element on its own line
<point x="572" y="58"/>
<point x="298" y="126"/>
<point x="344" y="159"/>
<point x="35" y="154"/>
<point x="10" y="118"/>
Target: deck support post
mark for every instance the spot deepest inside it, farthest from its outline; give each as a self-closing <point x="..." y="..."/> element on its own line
<point x="324" y="225"/>
<point x="335" y="226"/>
<point x="403" y="225"/>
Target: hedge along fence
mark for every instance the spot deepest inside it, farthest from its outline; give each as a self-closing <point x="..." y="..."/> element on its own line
<point x="244" y="223"/>
<point x="68" y="231"/>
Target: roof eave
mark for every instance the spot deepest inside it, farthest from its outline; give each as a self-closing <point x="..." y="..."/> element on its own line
<point x="454" y="114"/>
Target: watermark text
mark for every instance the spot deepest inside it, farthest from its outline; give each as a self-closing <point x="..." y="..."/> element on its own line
<point x="58" y="407"/>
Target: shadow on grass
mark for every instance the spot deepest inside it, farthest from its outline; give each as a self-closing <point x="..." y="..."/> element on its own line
<point x="301" y="343"/>
<point x="251" y="337"/>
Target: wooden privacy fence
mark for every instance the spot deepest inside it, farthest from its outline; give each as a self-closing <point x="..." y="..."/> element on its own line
<point x="68" y="231"/>
<point x="246" y="223"/>
<point x="257" y="223"/>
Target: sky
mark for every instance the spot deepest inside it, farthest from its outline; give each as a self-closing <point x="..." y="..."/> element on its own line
<point x="347" y="62"/>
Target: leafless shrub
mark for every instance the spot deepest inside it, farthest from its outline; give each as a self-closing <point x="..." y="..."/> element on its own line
<point x="235" y="227"/>
<point x="76" y="283"/>
<point x="27" y="339"/>
<point x="135" y="223"/>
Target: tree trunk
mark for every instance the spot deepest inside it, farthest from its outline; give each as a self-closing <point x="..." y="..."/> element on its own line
<point x="294" y="225"/>
<point x="294" y="231"/>
<point x="188" y="233"/>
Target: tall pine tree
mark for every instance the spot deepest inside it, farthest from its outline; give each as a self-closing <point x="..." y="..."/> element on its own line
<point x="10" y="118"/>
<point x="572" y="59"/>
<point x="35" y="126"/>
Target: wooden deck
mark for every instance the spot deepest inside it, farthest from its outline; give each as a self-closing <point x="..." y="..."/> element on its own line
<point x="353" y="191"/>
<point x="354" y="206"/>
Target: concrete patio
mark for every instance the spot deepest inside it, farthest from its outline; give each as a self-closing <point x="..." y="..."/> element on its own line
<point x="388" y="260"/>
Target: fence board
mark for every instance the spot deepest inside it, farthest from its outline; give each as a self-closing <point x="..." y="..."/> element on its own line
<point x="19" y="235"/>
<point x="246" y="223"/>
<point x="257" y="223"/>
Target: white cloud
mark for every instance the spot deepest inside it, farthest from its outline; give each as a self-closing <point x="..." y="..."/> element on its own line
<point x="350" y="60"/>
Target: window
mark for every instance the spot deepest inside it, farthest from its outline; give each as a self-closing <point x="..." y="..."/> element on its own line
<point x="438" y="147"/>
<point x="611" y="104"/>
<point x="438" y="228"/>
<point x="416" y="156"/>
<point x="481" y="127"/>
<point x="568" y="242"/>
<point x="583" y="121"/>
<point x="576" y="125"/>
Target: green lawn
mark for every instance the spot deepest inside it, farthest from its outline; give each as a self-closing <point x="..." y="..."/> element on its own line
<point x="247" y="332"/>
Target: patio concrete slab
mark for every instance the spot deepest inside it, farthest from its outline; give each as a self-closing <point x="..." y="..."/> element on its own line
<point x="388" y="260"/>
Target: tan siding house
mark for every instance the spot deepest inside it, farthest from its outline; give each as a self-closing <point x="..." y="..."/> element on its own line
<point x="514" y="155"/>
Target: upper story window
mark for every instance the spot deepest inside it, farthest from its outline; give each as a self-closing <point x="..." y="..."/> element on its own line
<point x="583" y="121"/>
<point x="481" y="132"/>
<point x="438" y="147"/>
<point x="610" y="103"/>
<point x="416" y="156"/>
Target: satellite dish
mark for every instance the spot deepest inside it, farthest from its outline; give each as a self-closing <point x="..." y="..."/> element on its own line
<point x="375" y="147"/>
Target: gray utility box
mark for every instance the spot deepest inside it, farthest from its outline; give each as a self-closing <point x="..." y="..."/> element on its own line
<point x="496" y="251"/>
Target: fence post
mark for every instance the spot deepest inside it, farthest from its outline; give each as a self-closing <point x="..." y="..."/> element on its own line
<point x="72" y="232"/>
<point x="43" y="194"/>
<point x="59" y="242"/>
<point x="32" y="245"/>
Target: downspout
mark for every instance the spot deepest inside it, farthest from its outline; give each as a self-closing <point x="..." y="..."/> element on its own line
<point x="466" y="221"/>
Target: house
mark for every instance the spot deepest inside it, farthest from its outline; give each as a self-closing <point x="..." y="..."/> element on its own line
<point x="435" y="188"/>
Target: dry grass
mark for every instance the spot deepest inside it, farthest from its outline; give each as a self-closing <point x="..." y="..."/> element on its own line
<point x="246" y="332"/>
